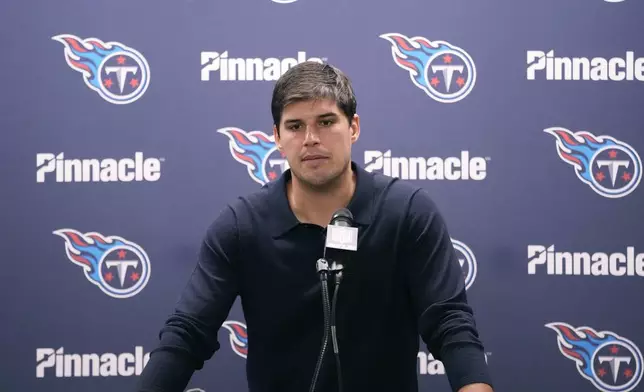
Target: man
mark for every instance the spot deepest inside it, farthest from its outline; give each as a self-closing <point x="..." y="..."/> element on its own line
<point x="403" y="281"/>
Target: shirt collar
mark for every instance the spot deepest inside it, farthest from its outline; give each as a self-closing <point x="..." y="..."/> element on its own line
<point x="361" y="204"/>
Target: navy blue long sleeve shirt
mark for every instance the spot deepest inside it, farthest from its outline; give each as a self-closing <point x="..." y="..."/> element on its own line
<point x="404" y="281"/>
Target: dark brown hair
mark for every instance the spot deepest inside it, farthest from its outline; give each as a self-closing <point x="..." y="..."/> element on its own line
<point x="312" y="80"/>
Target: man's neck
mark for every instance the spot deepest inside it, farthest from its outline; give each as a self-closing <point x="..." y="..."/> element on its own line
<point x="317" y="206"/>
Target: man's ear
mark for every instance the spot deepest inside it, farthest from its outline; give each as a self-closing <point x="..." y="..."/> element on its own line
<point x="276" y="136"/>
<point x="355" y="128"/>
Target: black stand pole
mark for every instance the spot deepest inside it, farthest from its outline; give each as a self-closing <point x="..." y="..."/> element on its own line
<point x="329" y="318"/>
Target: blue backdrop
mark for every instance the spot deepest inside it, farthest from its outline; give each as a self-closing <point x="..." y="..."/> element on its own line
<point x="143" y="119"/>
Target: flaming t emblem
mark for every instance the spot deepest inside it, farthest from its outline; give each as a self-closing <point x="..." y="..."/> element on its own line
<point x="238" y="337"/>
<point x="610" y="167"/>
<point x="444" y="71"/>
<point x="258" y="152"/>
<point x="120" y="268"/>
<point x="118" y="73"/>
<point x="610" y="362"/>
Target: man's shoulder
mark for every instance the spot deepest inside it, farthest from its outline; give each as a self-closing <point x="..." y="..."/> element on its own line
<point x="242" y="212"/>
<point x="255" y="201"/>
<point x="394" y="194"/>
<point x="403" y="204"/>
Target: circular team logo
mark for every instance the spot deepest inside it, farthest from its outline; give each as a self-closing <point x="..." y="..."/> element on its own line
<point x="617" y="366"/>
<point x="610" y="362"/>
<point x="124" y="77"/>
<point x="467" y="260"/>
<point x="611" y="167"/>
<point x="444" y="71"/>
<point x="118" y="73"/>
<point x="450" y="74"/>
<point x="120" y="268"/>
<point x="617" y="170"/>
<point x="124" y="271"/>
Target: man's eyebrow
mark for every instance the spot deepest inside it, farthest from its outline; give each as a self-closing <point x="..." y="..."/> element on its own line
<point x="330" y="114"/>
<point x="325" y="115"/>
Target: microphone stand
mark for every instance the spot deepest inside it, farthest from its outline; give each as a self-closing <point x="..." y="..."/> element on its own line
<point x="337" y="268"/>
<point x="323" y="270"/>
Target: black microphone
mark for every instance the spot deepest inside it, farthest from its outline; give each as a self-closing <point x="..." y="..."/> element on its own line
<point x="342" y="217"/>
<point x="341" y="239"/>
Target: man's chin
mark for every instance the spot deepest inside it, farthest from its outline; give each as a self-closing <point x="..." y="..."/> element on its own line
<point x="317" y="178"/>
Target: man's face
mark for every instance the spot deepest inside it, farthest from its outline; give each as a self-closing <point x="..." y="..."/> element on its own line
<point x="316" y="138"/>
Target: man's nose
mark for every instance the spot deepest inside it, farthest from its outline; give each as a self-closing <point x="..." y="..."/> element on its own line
<point x="311" y="136"/>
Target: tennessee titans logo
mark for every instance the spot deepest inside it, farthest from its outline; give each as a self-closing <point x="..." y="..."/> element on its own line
<point x="444" y="71"/>
<point x="610" y="362"/>
<point x="467" y="260"/>
<point x="610" y="167"/>
<point x="238" y="337"/>
<point x="258" y="152"/>
<point x="119" y="74"/>
<point x="120" y="268"/>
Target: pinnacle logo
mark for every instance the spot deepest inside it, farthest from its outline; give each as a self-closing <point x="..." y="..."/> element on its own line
<point x="55" y="362"/>
<point x="616" y="69"/>
<point x="57" y="168"/>
<point x="463" y="167"/>
<point x="249" y="69"/>
<point x="584" y="263"/>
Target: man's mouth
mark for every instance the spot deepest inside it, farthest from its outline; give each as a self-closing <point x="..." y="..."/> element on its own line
<point x="313" y="158"/>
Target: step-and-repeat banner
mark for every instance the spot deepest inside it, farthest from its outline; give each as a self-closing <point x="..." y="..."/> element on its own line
<point x="129" y="125"/>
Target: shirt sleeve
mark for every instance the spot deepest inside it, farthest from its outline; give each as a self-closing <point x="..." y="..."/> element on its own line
<point x="189" y="336"/>
<point x="437" y="290"/>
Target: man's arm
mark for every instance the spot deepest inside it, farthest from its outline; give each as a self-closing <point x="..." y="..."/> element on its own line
<point x="189" y="336"/>
<point x="437" y="290"/>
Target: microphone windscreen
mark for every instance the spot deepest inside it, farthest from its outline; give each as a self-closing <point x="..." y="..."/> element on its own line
<point x="343" y="215"/>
